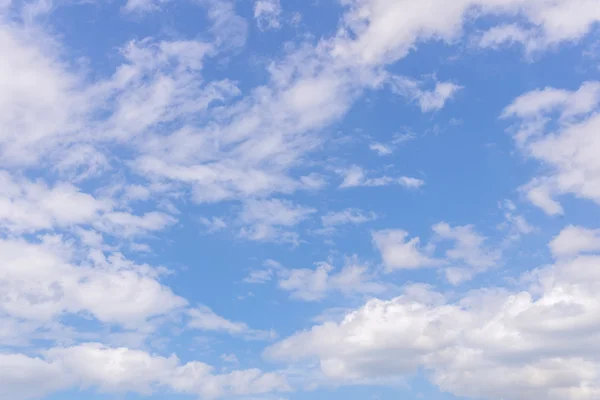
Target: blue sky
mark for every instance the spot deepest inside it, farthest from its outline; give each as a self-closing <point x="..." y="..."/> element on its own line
<point x="273" y="199"/>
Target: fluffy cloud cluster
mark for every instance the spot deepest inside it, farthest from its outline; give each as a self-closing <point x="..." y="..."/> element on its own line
<point x="123" y="370"/>
<point x="537" y="342"/>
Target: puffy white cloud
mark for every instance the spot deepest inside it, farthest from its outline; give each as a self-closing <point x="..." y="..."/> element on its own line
<point x="386" y="30"/>
<point x="467" y="257"/>
<point x="124" y="370"/>
<point x="537" y="342"/>
<point x="574" y="240"/>
<point x="25" y="378"/>
<point x="398" y="251"/>
<point x="43" y="281"/>
<point x="569" y="150"/>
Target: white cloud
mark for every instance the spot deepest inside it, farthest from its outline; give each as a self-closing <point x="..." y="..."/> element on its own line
<point x="569" y="149"/>
<point x="27" y="206"/>
<point x="203" y="318"/>
<point x="386" y="149"/>
<point x="57" y="120"/>
<point x="400" y="252"/>
<point x="385" y="30"/>
<point x="143" y="5"/>
<point x="574" y="240"/>
<point x="267" y="14"/>
<point x="350" y="216"/>
<point x="266" y="219"/>
<point x="315" y="284"/>
<point x="469" y="255"/>
<point x="26" y="378"/>
<point x="230" y="358"/>
<point x="264" y="275"/>
<point x="381" y="149"/>
<point x="213" y="224"/>
<point x="427" y="100"/>
<point x="43" y="282"/>
<point x="124" y="370"/>
<point x="515" y="224"/>
<point x="355" y="176"/>
<point x="536" y="342"/>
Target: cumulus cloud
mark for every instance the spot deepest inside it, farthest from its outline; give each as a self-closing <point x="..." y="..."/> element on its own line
<point x="123" y="370"/>
<point x="493" y="344"/>
<point x="467" y="256"/>
<point x="569" y="147"/>
<point x="44" y="282"/>
<point x="574" y="240"/>
<point x="398" y="251"/>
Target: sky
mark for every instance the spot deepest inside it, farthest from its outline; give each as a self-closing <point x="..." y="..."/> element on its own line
<point x="309" y="199"/>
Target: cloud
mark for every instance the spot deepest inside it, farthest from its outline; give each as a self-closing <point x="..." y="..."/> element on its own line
<point x="266" y="219"/>
<point x="213" y="224"/>
<point x="123" y="370"/>
<point x="267" y="14"/>
<point x="260" y="276"/>
<point x="469" y="255"/>
<point x="347" y="216"/>
<point x="158" y="120"/>
<point x="569" y="148"/>
<point x="143" y="5"/>
<point x="350" y="216"/>
<point x="534" y="342"/>
<point x="28" y="206"/>
<point x="386" y="149"/>
<point x="28" y="378"/>
<point x="45" y="281"/>
<point x="205" y="319"/>
<point x="400" y="252"/>
<point x="516" y="225"/>
<point x="574" y="240"/>
<point x="381" y="149"/>
<point x="427" y="100"/>
<point x="315" y="284"/>
<point x="355" y="176"/>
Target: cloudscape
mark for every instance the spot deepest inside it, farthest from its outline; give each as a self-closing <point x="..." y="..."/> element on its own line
<point x="300" y="199"/>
